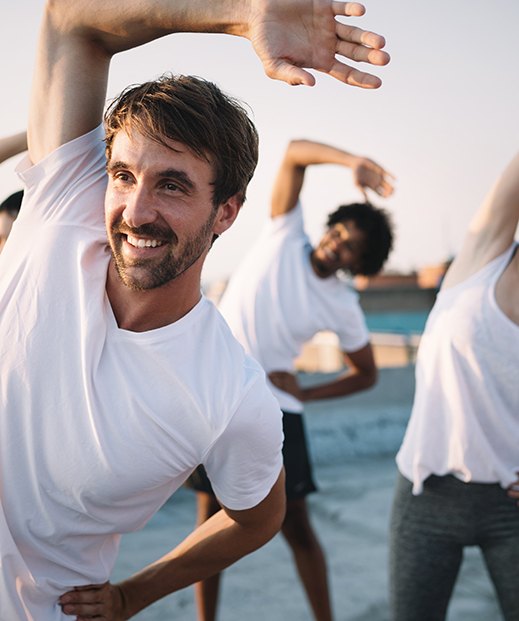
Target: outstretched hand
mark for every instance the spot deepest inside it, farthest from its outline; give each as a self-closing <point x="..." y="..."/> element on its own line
<point x="104" y="602"/>
<point x="367" y="174"/>
<point x="291" y="35"/>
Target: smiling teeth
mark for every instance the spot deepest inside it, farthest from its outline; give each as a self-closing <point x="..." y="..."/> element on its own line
<point x="143" y="243"/>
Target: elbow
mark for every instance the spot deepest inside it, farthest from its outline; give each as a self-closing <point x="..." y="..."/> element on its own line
<point x="61" y="19"/>
<point x="56" y="8"/>
<point x="295" y="153"/>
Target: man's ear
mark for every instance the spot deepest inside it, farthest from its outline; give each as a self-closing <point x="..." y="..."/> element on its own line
<point x="227" y="213"/>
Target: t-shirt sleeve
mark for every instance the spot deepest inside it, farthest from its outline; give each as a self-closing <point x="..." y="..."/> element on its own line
<point x="288" y="224"/>
<point x="245" y="461"/>
<point x="68" y="185"/>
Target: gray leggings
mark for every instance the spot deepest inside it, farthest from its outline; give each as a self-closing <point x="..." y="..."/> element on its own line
<point x="428" y="534"/>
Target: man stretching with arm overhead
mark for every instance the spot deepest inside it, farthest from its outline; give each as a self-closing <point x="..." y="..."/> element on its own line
<point x="118" y="377"/>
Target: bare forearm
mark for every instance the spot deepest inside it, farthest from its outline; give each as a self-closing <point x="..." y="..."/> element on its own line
<point x="290" y="178"/>
<point x="215" y="545"/>
<point x="492" y="229"/>
<point x="219" y="542"/>
<point x="77" y="42"/>
<point x="12" y="145"/>
<point x="346" y="384"/>
<point x="212" y="547"/>
<point x="497" y="220"/>
<point x="303" y="153"/>
<point x="120" y="27"/>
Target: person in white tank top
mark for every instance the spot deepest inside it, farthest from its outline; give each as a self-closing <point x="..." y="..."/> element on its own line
<point x="459" y="460"/>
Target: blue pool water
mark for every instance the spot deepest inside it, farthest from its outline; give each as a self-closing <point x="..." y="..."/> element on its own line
<point x="409" y="322"/>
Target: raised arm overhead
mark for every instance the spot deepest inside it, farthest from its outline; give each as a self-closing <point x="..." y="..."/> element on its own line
<point x="12" y="145"/>
<point x="492" y="229"/>
<point x="303" y="153"/>
<point x="78" y="39"/>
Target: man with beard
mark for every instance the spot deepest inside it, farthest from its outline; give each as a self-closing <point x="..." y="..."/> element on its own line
<point x="283" y="293"/>
<point x="118" y="378"/>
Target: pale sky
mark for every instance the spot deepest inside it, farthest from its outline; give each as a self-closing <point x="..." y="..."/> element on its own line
<point x="445" y="120"/>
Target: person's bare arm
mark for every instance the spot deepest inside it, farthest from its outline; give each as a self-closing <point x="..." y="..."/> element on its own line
<point x="361" y="375"/>
<point x="78" y="40"/>
<point x="300" y="154"/>
<point x="220" y="541"/>
<point x="12" y="145"/>
<point x="492" y="229"/>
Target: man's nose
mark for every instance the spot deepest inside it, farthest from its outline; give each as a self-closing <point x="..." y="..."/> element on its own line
<point x="139" y="208"/>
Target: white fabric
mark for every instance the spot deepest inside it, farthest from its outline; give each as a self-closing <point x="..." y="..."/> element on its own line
<point x="465" y="417"/>
<point x="275" y="302"/>
<point x="98" y="425"/>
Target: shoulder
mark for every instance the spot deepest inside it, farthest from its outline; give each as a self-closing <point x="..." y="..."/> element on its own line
<point x="290" y="222"/>
<point x="462" y="271"/>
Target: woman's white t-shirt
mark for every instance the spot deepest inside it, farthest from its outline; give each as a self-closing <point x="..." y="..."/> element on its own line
<point x="98" y="425"/>
<point x="465" y="417"/>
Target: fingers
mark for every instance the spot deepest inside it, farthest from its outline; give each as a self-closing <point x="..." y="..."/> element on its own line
<point x="359" y="36"/>
<point x="291" y="74"/>
<point x="295" y="76"/>
<point x="349" y="75"/>
<point x="84" y="609"/>
<point x="384" y="189"/>
<point x="350" y="9"/>
<point x="362" y="54"/>
<point x="360" y="46"/>
<point x="86" y="602"/>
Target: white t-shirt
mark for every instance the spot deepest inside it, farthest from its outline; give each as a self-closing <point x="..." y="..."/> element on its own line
<point x="465" y="417"/>
<point x="98" y="425"/>
<point x="275" y="302"/>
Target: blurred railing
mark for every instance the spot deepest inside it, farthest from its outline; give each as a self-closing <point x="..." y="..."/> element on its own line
<point x="323" y="355"/>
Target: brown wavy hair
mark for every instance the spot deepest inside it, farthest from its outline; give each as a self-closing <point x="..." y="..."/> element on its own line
<point x="195" y="112"/>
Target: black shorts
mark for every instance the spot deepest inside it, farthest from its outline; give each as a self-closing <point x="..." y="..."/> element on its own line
<point x="299" y="480"/>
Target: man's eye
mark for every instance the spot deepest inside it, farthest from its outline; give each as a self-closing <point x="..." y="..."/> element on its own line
<point x="172" y="187"/>
<point x="120" y="176"/>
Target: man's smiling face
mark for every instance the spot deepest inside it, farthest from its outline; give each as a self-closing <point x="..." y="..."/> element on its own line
<point x="157" y="196"/>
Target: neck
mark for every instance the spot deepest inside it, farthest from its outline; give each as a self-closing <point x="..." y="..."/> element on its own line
<point x="140" y="311"/>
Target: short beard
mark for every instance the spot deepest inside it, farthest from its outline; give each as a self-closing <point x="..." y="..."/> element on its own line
<point x="173" y="265"/>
